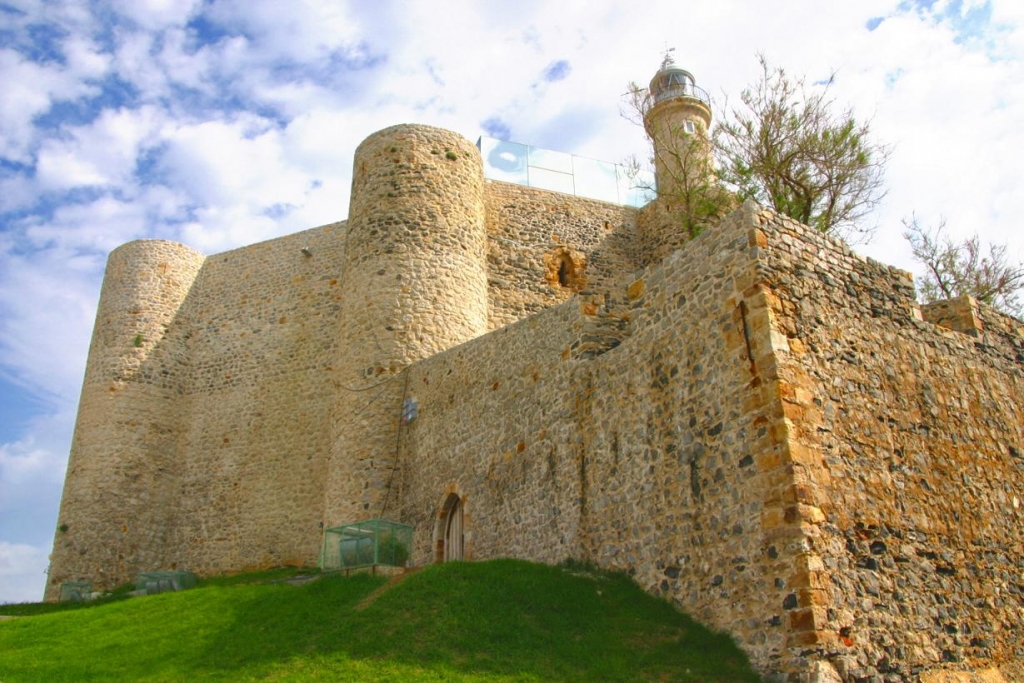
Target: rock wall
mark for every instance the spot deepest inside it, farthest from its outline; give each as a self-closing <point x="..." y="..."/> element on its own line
<point x="534" y="236"/>
<point x="751" y="468"/>
<point x="907" y="438"/>
<point x="414" y="284"/>
<point x="618" y="431"/>
<point x="262" y="341"/>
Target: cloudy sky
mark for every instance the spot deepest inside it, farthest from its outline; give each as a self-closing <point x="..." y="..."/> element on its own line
<point x="220" y="123"/>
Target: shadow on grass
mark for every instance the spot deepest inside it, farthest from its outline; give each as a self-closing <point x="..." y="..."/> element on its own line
<point x="499" y="619"/>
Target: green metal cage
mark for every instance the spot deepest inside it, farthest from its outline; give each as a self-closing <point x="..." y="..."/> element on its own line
<point x="74" y="591"/>
<point x="165" y="581"/>
<point x="366" y="544"/>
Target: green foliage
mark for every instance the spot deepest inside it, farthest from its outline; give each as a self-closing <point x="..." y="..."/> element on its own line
<point x="451" y="155"/>
<point x="493" y="621"/>
<point x="955" y="269"/>
<point x="137" y="342"/>
<point x="789" y="149"/>
<point x="62" y="528"/>
<point x="390" y="551"/>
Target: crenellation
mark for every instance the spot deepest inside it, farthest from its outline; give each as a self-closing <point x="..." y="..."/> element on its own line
<point x="757" y="424"/>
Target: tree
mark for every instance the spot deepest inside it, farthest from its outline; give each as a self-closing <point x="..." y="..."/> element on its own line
<point x="788" y="148"/>
<point x="692" y="193"/>
<point x="954" y="269"/>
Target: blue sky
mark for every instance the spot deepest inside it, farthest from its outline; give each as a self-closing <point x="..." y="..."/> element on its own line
<point x="220" y="123"/>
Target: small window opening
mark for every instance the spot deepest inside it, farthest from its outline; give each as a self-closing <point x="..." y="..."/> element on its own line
<point x="688" y="127"/>
<point x="563" y="271"/>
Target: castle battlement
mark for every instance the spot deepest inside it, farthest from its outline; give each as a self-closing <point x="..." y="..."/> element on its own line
<point x="757" y="424"/>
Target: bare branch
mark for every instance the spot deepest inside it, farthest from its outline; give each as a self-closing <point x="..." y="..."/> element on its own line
<point x="955" y="269"/>
<point x="787" y="148"/>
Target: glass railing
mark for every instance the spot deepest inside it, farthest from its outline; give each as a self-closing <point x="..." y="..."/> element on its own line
<point x="514" y="162"/>
<point x="681" y="90"/>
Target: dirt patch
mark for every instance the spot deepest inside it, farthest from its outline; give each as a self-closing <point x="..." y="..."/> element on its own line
<point x="392" y="582"/>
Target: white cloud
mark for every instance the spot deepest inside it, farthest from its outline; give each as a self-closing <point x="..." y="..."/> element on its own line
<point x="31" y="475"/>
<point x="154" y="15"/>
<point x="22" y="568"/>
<point x="29" y="90"/>
<point x="47" y="307"/>
<point x="302" y="31"/>
<point x="25" y="462"/>
<point x="103" y="153"/>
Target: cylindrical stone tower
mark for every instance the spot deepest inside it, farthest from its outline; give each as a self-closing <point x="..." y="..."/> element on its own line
<point x="414" y="284"/>
<point x="677" y="119"/>
<point x="120" y="472"/>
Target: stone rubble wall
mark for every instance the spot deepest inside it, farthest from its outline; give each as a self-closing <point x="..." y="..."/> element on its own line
<point x="993" y="331"/>
<point x="529" y="232"/>
<point x="908" y="441"/>
<point x="656" y="454"/>
<point x="261" y="388"/>
<point x="414" y="284"/>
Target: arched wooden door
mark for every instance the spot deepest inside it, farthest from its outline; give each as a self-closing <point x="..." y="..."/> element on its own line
<point x="454" y="538"/>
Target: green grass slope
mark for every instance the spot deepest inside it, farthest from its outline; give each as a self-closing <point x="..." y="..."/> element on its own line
<point x="503" y="620"/>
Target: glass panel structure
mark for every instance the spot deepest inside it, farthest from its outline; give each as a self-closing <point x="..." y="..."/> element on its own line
<point x="513" y="162"/>
<point x="165" y="581"/>
<point x="596" y="180"/>
<point x="636" y="190"/>
<point x="544" y="179"/>
<point x="552" y="161"/>
<point x="366" y="544"/>
<point x="504" y="161"/>
<point x="74" y="591"/>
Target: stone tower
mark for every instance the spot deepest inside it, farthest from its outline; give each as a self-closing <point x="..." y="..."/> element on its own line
<point x="414" y="283"/>
<point x="677" y="119"/>
<point x="120" y="480"/>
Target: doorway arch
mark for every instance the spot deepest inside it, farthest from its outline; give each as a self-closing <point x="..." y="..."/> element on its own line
<point x="450" y="538"/>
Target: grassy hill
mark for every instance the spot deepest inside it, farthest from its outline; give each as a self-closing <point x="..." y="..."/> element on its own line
<point x="503" y="620"/>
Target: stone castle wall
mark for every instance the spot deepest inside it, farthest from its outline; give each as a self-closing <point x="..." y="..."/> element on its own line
<point x="750" y="468"/>
<point x="415" y="283"/>
<point x="210" y="444"/>
<point x="763" y="427"/>
<point x="120" y="480"/>
<point x="653" y="449"/>
<point x="260" y="392"/>
<point x="533" y="234"/>
<point x="908" y="439"/>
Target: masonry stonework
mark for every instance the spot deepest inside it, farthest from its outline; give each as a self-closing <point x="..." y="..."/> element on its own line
<point x="758" y="424"/>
